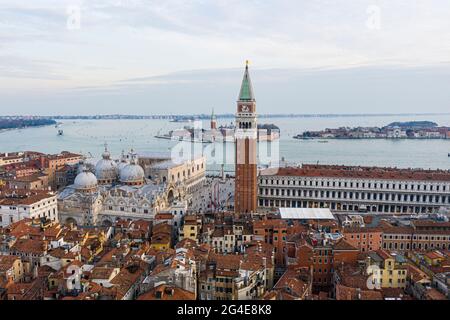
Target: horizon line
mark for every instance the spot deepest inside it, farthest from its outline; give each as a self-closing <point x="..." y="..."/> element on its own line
<point x="290" y="114"/>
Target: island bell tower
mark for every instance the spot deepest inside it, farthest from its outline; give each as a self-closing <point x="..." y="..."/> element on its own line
<point x="213" y="121"/>
<point x="245" y="149"/>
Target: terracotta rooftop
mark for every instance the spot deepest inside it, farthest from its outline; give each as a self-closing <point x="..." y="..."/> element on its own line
<point x="416" y="274"/>
<point x="295" y="282"/>
<point x="358" y="172"/>
<point x="352" y="276"/>
<point x="30" y="246"/>
<point x="19" y="288"/>
<point x="23" y="197"/>
<point x="143" y="225"/>
<point x="190" y="220"/>
<point x="23" y="228"/>
<point x="163" y="216"/>
<point x="167" y="292"/>
<point x="63" y="155"/>
<point x="186" y="243"/>
<point x="6" y="262"/>
<point x="434" y="255"/>
<point x="218" y="233"/>
<point x="30" y="178"/>
<point x="103" y="273"/>
<point x="347" y="293"/>
<point x="126" y="278"/>
<point x="343" y="245"/>
<point x="430" y="224"/>
<point x="269" y="223"/>
<point x="163" y="228"/>
<point x="230" y="262"/>
<point x="362" y="230"/>
<point x="160" y="238"/>
<point x="433" y="294"/>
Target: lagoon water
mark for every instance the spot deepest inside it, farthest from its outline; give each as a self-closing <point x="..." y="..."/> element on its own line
<point x="89" y="136"/>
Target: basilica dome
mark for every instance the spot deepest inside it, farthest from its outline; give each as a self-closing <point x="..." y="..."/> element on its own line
<point x="123" y="163"/>
<point x="132" y="173"/>
<point x="106" y="169"/>
<point x="85" y="180"/>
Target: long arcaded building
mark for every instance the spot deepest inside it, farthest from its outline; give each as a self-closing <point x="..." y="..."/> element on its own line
<point x="345" y="188"/>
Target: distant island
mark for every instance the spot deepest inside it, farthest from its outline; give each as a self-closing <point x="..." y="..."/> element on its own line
<point x="19" y="123"/>
<point x="265" y="132"/>
<point x="394" y="130"/>
<point x="202" y="116"/>
<point x="413" y="124"/>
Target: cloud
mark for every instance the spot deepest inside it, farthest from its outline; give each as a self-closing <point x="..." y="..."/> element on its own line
<point x="394" y="89"/>
<point x="132" y="44"/>
<point x="18" y="67"/>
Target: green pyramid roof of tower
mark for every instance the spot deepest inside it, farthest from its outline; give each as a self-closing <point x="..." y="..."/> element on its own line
<point x="246" y="93"/>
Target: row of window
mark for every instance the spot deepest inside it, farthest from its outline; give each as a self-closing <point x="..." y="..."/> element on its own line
<point x="390" y="281"/>
<point x="370" y="235"/>
<point x="345" y="206"/>
<point x="25" y="208"/>
<point x="134" y="210"/>
<point x="198" y="166"/>
<point x="438" y="238"/>
<point x="226" y="290"/>
<point x="51" y="214"/>
<point x="351" y="184"/>
<point x="407" y="246"/>
<point x="355" y="195"/>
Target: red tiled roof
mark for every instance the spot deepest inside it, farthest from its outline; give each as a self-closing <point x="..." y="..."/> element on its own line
<point x="269" y="223"/>
<point x="6" y="262"/>
<point x="30" y="246"/>
<point x="126" y="278"/>
<point x="292" y="281"/>
<point x="166" y="292"/>
<point x="23" y="197"/>
<point x="347" y="293"/>
<point x="383" y="254"/>
<point x="433" y="294"/>
<point x="334" y="171"/>
<point x="430" y="223"/>
<point x="343" y="245"/>
<point x="434" y="255"/>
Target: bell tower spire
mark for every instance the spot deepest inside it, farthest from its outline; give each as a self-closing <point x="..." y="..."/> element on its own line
<point x="246" y="92"/>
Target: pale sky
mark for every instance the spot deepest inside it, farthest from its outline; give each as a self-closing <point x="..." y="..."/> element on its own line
<point x="187" y="56"/>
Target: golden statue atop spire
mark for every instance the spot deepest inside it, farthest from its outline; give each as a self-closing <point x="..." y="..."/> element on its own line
<point x="246" y="63"/>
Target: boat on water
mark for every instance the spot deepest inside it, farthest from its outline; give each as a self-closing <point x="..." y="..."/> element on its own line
<point x="182" y="120"/>
<point x="300" y="137"/>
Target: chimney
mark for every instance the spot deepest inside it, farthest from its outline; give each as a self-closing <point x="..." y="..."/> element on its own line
<point x="159" y="294"/>
<point x="169" y="291"/>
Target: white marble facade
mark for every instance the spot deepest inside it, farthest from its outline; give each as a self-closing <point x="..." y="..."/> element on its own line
<point x="103" y="198"/>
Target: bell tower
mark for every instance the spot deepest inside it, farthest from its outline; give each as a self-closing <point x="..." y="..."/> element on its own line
<point x="245" y="149"/>
<point x="213" y="124"/>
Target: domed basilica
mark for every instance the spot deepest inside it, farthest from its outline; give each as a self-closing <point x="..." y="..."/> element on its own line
<point x="132" y="187"/>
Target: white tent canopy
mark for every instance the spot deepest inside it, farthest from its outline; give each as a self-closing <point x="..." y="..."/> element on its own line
<point x="306" y="213"/>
